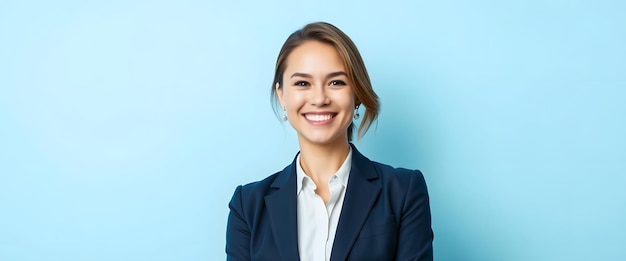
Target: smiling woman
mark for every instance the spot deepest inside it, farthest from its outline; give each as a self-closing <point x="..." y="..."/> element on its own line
<point x="316" y="96"/>
<point x="331" y="203"/>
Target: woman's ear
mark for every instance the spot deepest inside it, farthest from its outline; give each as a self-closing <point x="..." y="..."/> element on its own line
<point x="279" y="93"/>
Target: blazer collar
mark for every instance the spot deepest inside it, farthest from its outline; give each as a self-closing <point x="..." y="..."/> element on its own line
<point x="361" y="193"/>
<point x="282" y="209"/>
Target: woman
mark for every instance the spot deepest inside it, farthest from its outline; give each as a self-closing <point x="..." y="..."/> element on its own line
<point x="331" y="203"/>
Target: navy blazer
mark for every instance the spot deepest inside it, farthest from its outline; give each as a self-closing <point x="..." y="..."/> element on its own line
<point x="385" y="216"/>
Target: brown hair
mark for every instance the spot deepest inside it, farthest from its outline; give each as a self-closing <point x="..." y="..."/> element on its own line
<point x="356" y="72"/>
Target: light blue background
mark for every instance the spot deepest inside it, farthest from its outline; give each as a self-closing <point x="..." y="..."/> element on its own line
<point x="126" y="126"/>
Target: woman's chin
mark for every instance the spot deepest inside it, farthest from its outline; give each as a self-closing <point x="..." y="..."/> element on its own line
<point x="322" y="139"/>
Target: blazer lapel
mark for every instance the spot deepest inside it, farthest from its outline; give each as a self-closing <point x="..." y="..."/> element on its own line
<point x="282" y="210"/>
<point x="361" y="194"/>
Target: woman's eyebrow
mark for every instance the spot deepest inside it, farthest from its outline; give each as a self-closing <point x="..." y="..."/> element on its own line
<point x="330" y="75"/>
<point x="303" y="75"/>
<point x="335" y="74"/>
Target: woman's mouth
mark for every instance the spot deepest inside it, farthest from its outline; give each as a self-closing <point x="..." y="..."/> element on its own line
<point x="319" y="118"/>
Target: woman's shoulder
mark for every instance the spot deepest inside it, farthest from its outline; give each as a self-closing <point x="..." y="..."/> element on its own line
<point x="398" y="172"/>
<point x="398" y="177"/>
<point x="250" y="196"/>
<point x="260" y="188"/>
<point x="387" y="174"/>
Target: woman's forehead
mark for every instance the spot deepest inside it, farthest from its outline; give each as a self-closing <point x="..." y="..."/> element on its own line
<point x="312" y="58"/>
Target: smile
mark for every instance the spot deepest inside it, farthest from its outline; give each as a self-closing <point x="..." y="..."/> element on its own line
<point x="319" y="117"/>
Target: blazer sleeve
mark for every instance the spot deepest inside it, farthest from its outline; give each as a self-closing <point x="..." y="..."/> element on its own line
<point x="415" y="233"/>
<point x="237" y="230"/>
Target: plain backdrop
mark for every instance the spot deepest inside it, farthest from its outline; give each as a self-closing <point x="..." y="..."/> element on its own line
<point x="125" y="126"/>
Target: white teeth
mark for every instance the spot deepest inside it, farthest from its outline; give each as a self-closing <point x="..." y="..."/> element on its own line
<point x="318" y="117"/>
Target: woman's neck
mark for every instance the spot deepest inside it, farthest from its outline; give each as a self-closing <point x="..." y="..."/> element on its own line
<point x="320" y="162"/>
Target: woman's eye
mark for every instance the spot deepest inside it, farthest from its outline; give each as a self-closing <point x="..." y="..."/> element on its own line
<point x="301" y="83"/>
<point x="337" y="82"/>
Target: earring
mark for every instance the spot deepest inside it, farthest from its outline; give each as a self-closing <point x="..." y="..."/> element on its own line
<point x="356" y="112"/>
<point x="284" y="115"/>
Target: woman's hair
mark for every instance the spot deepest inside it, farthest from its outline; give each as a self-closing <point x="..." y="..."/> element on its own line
<point x="356" y="72"/>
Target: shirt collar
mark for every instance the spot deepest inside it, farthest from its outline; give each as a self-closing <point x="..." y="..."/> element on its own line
<point x="342" y="173"/>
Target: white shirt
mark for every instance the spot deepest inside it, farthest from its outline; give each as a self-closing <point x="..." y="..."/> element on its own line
<point x="317" y="222"/>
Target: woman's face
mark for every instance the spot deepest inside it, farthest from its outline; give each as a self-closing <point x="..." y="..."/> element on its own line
<point x="316" y="94"/>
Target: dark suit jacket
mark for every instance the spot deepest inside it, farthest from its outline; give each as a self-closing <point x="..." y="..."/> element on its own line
<point x="385" y="216"/>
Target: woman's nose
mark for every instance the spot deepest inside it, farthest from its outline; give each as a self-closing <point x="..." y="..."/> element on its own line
<point x="319" y="97"/>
